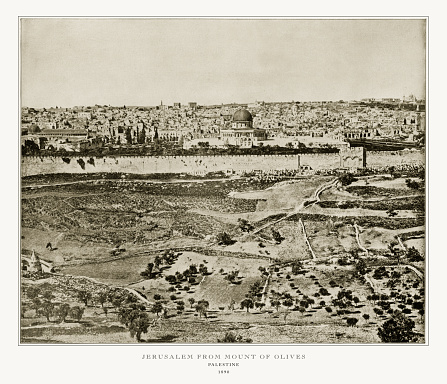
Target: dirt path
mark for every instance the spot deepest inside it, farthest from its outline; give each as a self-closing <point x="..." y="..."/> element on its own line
<point x="393" y="198"/>
<point x="138" y="295"/>
<point x="306" y="238"/>
<point x="265" y="288"/>
<point x="357" y="237"/>
<point x="303" y="205"/>
<point x="415" y="270"/>
<point x="401" y="243"/>
<point x="323" y="188"/>
<point x="371" y="284"/>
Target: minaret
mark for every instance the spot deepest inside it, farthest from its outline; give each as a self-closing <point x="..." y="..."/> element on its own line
<point x="163" y="117"/>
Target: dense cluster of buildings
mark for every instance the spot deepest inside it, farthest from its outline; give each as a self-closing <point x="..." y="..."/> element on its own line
<point x="286" y="124"/>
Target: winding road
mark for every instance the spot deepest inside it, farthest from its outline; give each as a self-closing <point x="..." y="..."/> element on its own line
<point x="304" y="204"/>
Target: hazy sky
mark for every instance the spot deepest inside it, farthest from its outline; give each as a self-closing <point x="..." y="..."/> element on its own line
<point x="68" y="62"/>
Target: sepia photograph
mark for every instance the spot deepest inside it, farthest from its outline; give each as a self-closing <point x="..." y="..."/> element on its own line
<point x="212" y="181"/>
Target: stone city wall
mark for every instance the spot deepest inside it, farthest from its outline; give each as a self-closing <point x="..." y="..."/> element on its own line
<point x="34" y="165"/>
<point x="379" y="159"/>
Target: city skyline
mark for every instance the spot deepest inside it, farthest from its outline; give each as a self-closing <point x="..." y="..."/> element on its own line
<point x="80" y="62"/>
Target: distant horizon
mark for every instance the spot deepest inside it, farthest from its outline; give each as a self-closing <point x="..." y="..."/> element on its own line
<point x="215" y="104"/>
<point x="70" y="62"/>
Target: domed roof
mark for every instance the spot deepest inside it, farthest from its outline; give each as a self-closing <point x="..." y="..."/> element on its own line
<point x="242" y="115"/>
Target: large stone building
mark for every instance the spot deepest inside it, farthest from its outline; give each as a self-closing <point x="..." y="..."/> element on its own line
<point x="242" y="132"/>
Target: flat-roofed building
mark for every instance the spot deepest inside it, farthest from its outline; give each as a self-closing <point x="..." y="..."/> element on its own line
<point x="70" y="134"/>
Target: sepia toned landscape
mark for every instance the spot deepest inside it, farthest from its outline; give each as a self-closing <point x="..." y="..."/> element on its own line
<point x="268" y="268"/>
<point x="265" y="222"/>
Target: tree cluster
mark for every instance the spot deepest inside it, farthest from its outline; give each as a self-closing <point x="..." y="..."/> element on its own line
<point x="43" y="304"/>
<point x="152" y="270"/>
<point x="398" y="329"/>
<point x="188" y="274"/>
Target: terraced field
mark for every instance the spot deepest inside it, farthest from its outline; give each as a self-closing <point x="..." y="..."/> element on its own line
<point x="109" y="231"/>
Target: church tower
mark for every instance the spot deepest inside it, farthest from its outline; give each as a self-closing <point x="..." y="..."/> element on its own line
<point x="35" y="265"/>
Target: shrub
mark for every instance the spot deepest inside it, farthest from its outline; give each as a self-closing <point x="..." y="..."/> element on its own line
<point x="414" y="255"/>
<point x="347" y="179"/>
<point x="385" y="305"/>
<point x="378" y="311"/>
<point x="224" y="238"/>
<point x="171" y="279"/>
<point x="418" y="305"/>
<point x="296" y="267"/>
<point x="343" y="261"/>
<point x="244" y="225"/>
<point x="351" y="321"/>
<point x="231" y="337"/>
<point x="412" y="184"/>
<point x="324" y="292"/>
<point x="231" y="276"/>
<point x="277" y="236"/>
